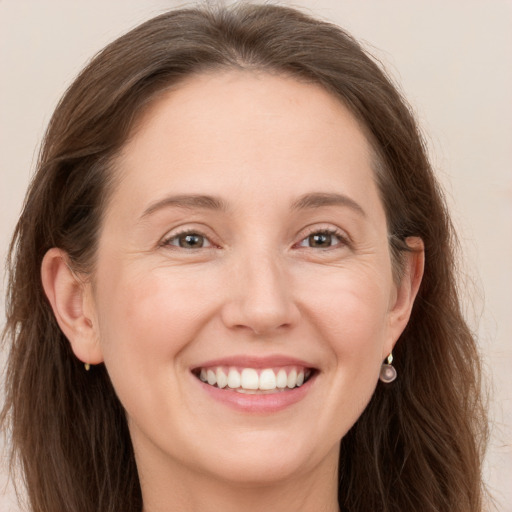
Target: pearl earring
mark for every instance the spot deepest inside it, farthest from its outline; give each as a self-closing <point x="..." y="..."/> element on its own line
<point x="387" y="371"/>
<point x="87" y="367"/>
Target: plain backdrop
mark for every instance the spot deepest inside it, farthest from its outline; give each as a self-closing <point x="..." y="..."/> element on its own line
<point x="452" y="59"/>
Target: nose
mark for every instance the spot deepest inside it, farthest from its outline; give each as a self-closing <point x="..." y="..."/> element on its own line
<point x="260" y="297"/>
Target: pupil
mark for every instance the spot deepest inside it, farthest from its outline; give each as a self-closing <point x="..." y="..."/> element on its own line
<point x="191" y="241"/>
<point x="320" y="240"/>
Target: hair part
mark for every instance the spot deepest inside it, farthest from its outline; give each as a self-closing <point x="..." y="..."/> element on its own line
<point x="417" y="446"/>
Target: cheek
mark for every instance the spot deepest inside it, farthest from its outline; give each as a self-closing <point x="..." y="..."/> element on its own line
<point x="352" y="314"/>
<point x="349" y="314"/>
<point x="149" y="316"/>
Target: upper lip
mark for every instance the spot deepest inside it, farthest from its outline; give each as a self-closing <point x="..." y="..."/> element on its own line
<point x="256" y="362"/>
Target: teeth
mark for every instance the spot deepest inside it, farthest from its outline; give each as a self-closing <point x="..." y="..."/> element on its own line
<point x="267" y="380"/>
<point x="292" y="379"/>
<point x="282" y="379"/>
<point x="249" y="380"/>
<point x="222" y="379"/>
<point x="233" y="379"/>
<point x="212" y="378"/>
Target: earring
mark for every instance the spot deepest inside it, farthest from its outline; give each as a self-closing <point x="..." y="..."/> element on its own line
<point x="387" y="371"/>
<point x="87" y="367"/>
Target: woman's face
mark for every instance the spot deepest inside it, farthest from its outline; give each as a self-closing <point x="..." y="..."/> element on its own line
<point x="245" y="242"/>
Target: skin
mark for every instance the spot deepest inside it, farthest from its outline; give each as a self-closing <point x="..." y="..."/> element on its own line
<point x="153" y="310"/>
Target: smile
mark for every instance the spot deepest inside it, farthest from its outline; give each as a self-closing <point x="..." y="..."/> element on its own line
<point x="253" y="380"/>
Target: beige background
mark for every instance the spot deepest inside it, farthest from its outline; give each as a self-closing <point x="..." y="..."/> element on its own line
<point x="453" y="61"/>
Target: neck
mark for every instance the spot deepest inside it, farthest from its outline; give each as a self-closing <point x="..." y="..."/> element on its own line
<point x="181" y="489"/>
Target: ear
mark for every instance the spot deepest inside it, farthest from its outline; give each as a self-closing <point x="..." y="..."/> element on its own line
<point x="72" y="304"/>
<point x="406" y="291"/>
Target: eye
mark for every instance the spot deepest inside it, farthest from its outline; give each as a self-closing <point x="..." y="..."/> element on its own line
<point x="188" y="240"/>
<point x="323" y="239"/>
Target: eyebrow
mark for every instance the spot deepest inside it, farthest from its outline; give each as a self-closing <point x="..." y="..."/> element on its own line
<point x="307" y="201"/>
<point x="319" y="199"/>
<point x="186" y="201"/>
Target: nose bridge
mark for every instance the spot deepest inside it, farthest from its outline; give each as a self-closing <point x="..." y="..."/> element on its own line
<point x="261" y="298"/>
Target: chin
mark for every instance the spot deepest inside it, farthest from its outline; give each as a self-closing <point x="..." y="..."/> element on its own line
<point x="261" y="468"/>
<point x="264" y="458"/>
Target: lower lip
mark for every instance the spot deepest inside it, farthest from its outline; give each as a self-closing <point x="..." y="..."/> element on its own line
<point x="256" y="403"/>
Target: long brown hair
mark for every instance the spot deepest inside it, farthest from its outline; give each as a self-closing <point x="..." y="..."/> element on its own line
<point x="419" y="443"/>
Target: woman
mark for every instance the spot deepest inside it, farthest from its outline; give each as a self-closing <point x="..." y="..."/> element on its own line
<point x="233" y="232"/>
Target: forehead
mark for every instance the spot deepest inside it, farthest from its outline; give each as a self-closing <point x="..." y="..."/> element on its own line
<point x="245" y="100"/>
<point x="244" y="128"/>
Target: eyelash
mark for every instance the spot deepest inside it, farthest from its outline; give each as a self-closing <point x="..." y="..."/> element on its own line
<point x="342" y="239"/>
<point x="175" y="236"/>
